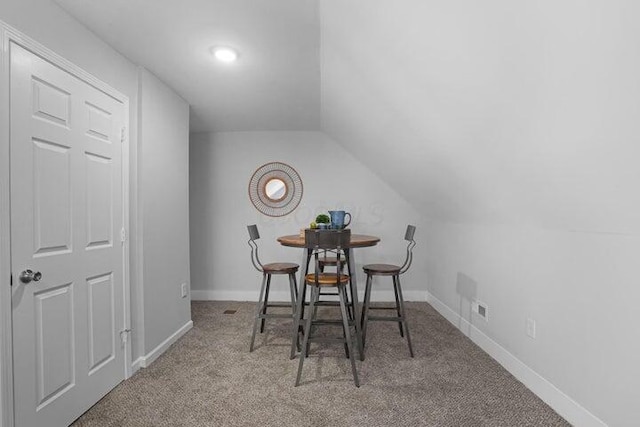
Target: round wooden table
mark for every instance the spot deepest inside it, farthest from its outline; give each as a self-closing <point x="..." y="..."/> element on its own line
<point x="357" y="241"/>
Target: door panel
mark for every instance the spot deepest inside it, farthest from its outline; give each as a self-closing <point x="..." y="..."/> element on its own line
<point x="99" y="204"/>
<point x="100" y="123"/>
<point x="101" y="321"/>
<point x="50" y="103"/>
<point x="66" y="208"/>
<point x="55" y="338"/>
<point x="52" y="198"/>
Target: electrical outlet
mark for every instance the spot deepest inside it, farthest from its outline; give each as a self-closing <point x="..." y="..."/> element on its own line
<point x="184" y="291"/>
<point x="531" y="328"/>
<point x="481" y="309"/>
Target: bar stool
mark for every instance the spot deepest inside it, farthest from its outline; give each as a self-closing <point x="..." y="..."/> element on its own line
<point x="267" y="270"/>
<point x="317" y="241"/>
<point x="394" y="271"/>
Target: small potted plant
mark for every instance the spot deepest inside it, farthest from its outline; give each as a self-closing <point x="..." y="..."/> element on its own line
<point x="323" y="221"/>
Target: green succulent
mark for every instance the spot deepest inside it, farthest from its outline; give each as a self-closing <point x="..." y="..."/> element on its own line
<point x="323" y="219"/>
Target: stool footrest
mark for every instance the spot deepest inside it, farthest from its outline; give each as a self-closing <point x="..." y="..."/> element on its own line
<point x="331" y="304"/>
<point x="326" y="322"/>
<point x="326" y="339"/>
<point x="381" y="308"/>
<point x="275" y="316"/>
<point x="385" y="318"/>
<point x="279" y="304"/>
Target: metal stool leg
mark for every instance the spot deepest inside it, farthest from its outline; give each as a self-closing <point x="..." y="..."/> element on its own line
<point x="307" y="332"/>
<point x="365" y="310"/>
<point x="297" y="322"/>
<point x="344" y="333"/>
<point x="300" y="295"/>
<point x="347" y="332"/>
<point x="395" y="291"/>
<point x="346" y="348"/>
<point x="266" y="301"/>
<point x="258" y="310"/>
<point x="396" y="281"/>
<point x="350" y="299"/>
<point x="293" y="291"/>
<point x="294" y="302"/>
<point x="300" y="318"/>
<point x="354" y="302"/>
<point x="314" y="315"/>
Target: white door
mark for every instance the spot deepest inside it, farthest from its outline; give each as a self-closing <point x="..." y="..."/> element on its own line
<point x="66" y="217"/>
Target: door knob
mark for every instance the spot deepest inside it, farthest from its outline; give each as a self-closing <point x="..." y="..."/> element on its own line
<point x="28" y="275"/>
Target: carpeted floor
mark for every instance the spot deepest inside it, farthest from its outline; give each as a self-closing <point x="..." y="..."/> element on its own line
<point x="209" y="378"/>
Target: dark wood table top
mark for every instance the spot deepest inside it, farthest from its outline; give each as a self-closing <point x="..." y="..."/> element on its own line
<point x="357" y="241"/>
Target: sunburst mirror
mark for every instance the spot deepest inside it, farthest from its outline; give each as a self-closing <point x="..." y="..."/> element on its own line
<point x="275" y="189"/>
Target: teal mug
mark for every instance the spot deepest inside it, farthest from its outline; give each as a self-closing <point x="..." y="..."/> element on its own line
<point x="337" y="219"/>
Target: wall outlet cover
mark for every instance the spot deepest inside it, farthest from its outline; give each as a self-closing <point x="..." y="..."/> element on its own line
<point x="184" y="290"/>
<point x="481" y="309"/>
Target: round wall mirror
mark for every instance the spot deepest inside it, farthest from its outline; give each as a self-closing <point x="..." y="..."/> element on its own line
<point x="275" y="189"/>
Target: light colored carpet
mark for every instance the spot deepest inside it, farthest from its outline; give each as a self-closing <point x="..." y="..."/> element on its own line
<point x="209" y="378"/>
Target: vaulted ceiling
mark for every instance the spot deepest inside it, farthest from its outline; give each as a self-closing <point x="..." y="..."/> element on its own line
<point x="492" y="112"/>
<point x="519" y="113"/>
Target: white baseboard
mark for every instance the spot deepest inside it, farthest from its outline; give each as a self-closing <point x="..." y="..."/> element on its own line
<point x="568" y="408"/>
<point x="148" y="359"/>
<point x="215" y="295"/>
<point x="136" y="365"/>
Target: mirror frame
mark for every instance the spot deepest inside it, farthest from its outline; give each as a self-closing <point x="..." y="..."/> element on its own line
<point x="292" y="183"/>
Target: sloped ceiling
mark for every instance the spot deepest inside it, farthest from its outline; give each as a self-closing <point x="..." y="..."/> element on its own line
<point x="522" y="113"/>
<point x="275" y="83"/>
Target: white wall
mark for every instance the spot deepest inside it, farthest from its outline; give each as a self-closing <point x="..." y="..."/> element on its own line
<point x="514" y="127"/>
<point x="221" y="165"/>
<point x="164" y="204"/>
<point x="580" y="288"/>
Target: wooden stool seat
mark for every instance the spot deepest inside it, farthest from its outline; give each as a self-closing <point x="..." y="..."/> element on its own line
<point x="382" y="269"/>
<point x="327" y="279"/>
<point x="281" y="267"/>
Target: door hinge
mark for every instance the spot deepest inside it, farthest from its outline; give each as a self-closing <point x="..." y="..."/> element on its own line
<point x="11" y="280"/>
<point x="123" y="133"/>
<point x="123" y="235"/>
<point x="124" y="335"/>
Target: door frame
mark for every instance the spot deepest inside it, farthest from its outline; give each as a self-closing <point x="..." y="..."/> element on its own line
<point x="8" y="35"/>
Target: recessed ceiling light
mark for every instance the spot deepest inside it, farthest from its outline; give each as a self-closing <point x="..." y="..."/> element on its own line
<point x="224" y="54"/>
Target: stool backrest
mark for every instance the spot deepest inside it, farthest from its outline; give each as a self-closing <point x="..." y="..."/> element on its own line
<point x="322" y="240"/>
<point x="253" y="232"/>
<point x="253" y="236"/>
<point x="327" y="239"/>
<point x="411" y="230"/>
<point x="408" y="236"/>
